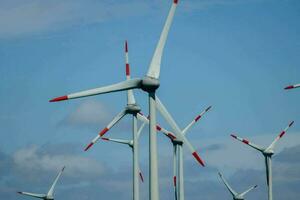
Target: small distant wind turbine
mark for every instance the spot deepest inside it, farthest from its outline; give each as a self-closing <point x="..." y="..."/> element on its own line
<point x="177" y="153"/>
<point x="235" y="195"/>
<point x="149" y="83"/>
<point x="135" y="167"/>
<point x="292" y="86"/>
<point x="267" y="153"/>
<point x="49" y="195"/>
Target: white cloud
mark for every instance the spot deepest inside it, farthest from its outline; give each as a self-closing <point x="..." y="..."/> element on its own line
<point x="19" y="18"/>
<point x="29" y="159"/>
<point x="89" y="113"/>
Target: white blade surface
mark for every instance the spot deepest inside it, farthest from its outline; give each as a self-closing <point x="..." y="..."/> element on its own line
<point x="109" y="126"/>
<point x="51" y="191"/>
<point x="176" y="129"/>
<point x="233" y="193"/>
<point x="244" y="193"/>
<point x="195" y="120"/>
<point x="280" y="136"/>
<point x="40" y="196"/>
<point x="247" y="142"/>
<point x="130" y="96"/>
<point x="154" y="69"/>
<point x="125" y="85"/>
<point x="120" y="141"/>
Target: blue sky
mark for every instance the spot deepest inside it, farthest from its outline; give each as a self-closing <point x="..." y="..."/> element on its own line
<point x="236" y="55"/>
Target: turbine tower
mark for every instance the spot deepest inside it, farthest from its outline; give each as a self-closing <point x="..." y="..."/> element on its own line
<point x="49" y="195"/>
<point x="292" y="86"/>
<point x="267" y="153"/>
<point x="235" y="195"/>
<point x="135" y="167"/>
<point x="149" y="83"/>
<point x="177" y="153"/>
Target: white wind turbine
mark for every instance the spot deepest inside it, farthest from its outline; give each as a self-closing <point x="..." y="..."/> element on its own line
<point x="49" y="195"/>
<point x="292" y="86"/>
<point x="178" y="157"/>
<point x="149" y="84"/>
<point x="135" y="169"/>
<point x="267" y="153"/>
<point x="235" y="195"/>
<point x="132" y="109"/>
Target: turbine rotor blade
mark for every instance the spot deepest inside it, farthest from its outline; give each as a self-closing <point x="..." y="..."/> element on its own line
<point x="280" y="135"/>
<point x="244" y="193"/>
<point x="124" y="85"/>
<point x="130" y="96"/>
<point x="196" y="120"/>
<point x="233" y="193"/>
<point x="247" y="142"/>
<point x="120" y="141"/>
<point x="40" y="196"/>
<point x="109" y="126"/>
<point x="154" y="69"/>
<point x="292" y="86"/>
<point x="176" y="129"/>
<point x="51" y="191"/>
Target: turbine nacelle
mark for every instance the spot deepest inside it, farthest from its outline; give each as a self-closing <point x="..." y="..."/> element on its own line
<point x="132" y="109"/>
<point x="149" y="84"/>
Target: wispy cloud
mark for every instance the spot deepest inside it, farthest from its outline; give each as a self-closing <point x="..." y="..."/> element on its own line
<point x="19" y="18"/>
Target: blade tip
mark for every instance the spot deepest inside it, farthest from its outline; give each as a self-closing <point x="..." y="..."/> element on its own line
<point x="289" y="87"/>
<point x="234" y="136"/>
<point x="88" y="146"/>
<point x="195" y="154"/>
<point x="175" y="1"/>
<point x="62" y="98"/>
<point x="291" y="123"/>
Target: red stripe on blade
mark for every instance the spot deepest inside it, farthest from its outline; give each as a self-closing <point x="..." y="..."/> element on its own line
<point x="174" y="181"/>
<point x="198" y="117"/>
<point x="171" y="136"/>
<point x="195" y="154"/>
<point x="245" y="141"/>
<point x="289" y="87"/>
<point x="176" y="1"/>
<point x="105" y="138"/>
<point x="127" y="69"/>
<point x="158" y="128"/>
<point x="103" y="132"/>
<point x="89" y="146"/>
<point x="62" y="98"/>
<point x="281" y="134"/>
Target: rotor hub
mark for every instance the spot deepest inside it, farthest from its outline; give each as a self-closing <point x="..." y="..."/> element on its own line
<point x="133" y="109"/>
<point x="150" y="84"/>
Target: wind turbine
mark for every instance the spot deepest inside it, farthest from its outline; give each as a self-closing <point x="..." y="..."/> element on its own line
<point x="178" y="157"/>
<point x="267" y="153"/>
<point x="235" y="195"/>
<point x="132" y="109"/>
<point x="292" y="86"/>
<point x="149" y="83"/>
<point x="135" y="169"/>
<point x="49" y="195"/>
